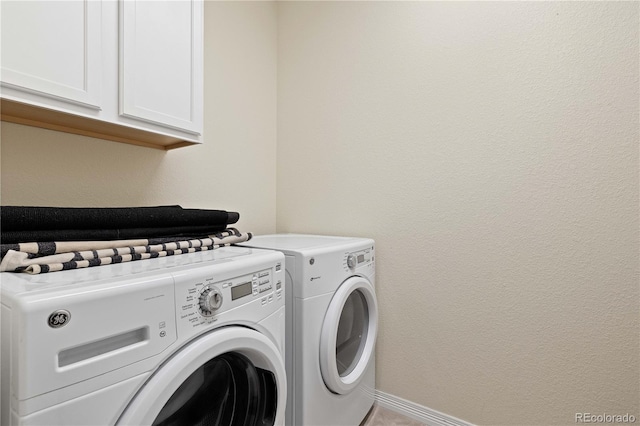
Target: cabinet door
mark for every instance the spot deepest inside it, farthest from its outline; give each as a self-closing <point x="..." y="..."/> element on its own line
<point x="161" y="63"/>
<point x="51" y="50"/>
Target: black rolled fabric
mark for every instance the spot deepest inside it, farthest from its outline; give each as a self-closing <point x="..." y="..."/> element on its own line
<point x="232" y="217"/>
<point x="24" y="218"/>
<point x="13" y="237"/>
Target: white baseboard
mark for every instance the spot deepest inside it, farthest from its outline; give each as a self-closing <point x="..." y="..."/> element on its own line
<point x="415" y="411"/>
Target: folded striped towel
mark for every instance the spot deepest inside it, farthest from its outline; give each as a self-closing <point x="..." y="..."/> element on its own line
<point x="43" y="257"/>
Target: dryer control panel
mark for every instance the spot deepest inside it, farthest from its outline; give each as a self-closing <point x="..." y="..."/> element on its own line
<point x="356" y="259"/>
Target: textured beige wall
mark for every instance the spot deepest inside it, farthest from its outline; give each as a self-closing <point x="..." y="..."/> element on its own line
<point x="491" y="150"/>
<point x="233" y="170"/>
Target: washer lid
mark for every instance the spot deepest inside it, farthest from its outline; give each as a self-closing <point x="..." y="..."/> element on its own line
<point x="14" y="284"/>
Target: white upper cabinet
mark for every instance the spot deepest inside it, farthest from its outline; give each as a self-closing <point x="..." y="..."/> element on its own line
<point x="53" y="49"/>
<point x="161" y="62"/>
<point x="124" y="70"/>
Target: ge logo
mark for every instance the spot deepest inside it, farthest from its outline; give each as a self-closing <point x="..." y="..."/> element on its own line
<point x="59" y="318"/>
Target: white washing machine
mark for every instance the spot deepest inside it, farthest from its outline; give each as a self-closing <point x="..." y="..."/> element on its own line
<point x="332" y="320"/>
<point x="195" y="339"/>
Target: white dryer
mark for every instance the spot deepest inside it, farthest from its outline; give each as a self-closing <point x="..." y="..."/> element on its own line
<point x="195" y="339"/>
<point x="332" y="320"/>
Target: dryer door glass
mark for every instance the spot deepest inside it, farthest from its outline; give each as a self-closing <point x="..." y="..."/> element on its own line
<point x="352" y="332"/>
<point x="227" y="390"/>
<point x="348" y="336"/>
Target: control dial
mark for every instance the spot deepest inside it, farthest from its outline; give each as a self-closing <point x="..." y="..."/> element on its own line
<point x="210" y="300"/>
<point x="351" y="261"/>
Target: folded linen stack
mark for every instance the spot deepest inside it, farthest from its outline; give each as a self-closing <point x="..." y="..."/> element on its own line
<point x="47" y="239"/>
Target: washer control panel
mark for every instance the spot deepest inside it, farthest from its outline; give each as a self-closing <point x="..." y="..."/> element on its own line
<point x="202" y="300"/>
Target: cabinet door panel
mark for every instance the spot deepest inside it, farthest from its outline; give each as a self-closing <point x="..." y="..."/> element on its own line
<point x="53" y="49"/>
<point x="161" y="63"/>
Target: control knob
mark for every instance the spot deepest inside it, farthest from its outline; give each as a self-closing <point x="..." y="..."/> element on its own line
<point x="210" y="300"/>
<point x="351" y="261"/>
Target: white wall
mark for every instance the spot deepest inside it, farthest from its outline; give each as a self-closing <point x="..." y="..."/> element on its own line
<point x="491" y="150"/>
<point x="233" y="170"/>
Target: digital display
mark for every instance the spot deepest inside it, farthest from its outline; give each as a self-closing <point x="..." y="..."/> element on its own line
<point x="241" y="290"/>
<point x="360" y="258"/>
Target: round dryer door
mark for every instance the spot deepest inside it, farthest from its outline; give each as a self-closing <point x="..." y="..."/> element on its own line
<point x="348" y="336"/>
<point x="231" y="376"/>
